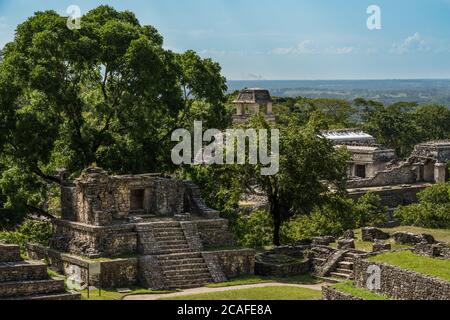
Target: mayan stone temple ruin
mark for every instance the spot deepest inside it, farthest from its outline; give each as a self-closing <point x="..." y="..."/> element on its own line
<point x="147" y="230"/>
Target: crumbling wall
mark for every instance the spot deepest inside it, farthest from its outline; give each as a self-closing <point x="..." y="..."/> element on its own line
<point x="404" y="174"/>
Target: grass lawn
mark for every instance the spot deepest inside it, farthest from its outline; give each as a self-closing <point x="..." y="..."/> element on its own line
<point x="349" y="288"/>
<point x="263" y="293"/>
<point x="442" y="235"/>
<point x="254" y="279"/>
<point x="112" y="294"/>
<point x="410" y="261"/>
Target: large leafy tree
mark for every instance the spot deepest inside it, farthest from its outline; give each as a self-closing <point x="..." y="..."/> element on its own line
<point x="108" y="93"/>
<point x="311" y="173"/>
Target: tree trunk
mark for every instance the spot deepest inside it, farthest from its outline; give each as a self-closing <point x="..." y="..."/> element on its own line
<point x="276" y="214"/>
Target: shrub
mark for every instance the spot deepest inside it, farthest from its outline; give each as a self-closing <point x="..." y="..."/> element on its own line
<point x="370" y="212"/>
<point x="29" y="231"/>
<point x="433" y="210"/>
<point x="254" y="230"/>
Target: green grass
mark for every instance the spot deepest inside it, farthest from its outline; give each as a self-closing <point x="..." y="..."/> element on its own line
<point x="368" y="246"/>
<point x="442" y="235"/>
<point x="349" y="288"/>
<point x="263" y="293"/>
<point x="407" y="260"/>
<point x="112" y="294"/>
<point x="254" y="279"/>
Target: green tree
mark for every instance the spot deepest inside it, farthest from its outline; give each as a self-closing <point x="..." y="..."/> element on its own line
<point x="108" y="93"/>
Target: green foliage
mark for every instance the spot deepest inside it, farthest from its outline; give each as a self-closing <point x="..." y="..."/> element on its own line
<point x="369" y="211"/>
<point x="254" y="230"/>
<point x="30" y="231"/>
<point x="108" y="93"/>
<point x="433" y="211"/>
<point x="335" y="217"/>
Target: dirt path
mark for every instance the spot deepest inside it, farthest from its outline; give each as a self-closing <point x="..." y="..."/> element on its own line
<point x="188" y="292"/>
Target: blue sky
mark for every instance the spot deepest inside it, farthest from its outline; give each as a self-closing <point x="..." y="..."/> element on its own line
<point x="287" y="39"/>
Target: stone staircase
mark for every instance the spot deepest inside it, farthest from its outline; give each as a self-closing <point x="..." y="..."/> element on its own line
<point x="340" y="263"/>
<point x="28" y="280"/>
<point x="179" y="262"/>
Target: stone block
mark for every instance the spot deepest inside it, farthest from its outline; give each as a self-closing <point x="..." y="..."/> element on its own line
<point x="346" y="244"/>
<point x="381" y="246"/>
<point x="372" y="234"/>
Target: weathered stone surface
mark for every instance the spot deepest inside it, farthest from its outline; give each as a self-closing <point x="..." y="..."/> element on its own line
<point x="372" y="234"/>
<point x="402" y="284"/>
<point x="150" y="273"/>
<point x="346" y="244"/>
<point x="332" y="294"/>
<point x="269" y="264"/>
<point x="323" y="241"/>
<point x="24" y="280"/>
<point x="349" y="234"/>
<point x="331" y="263"/>
<point x="407" y="238"/>
<point x="381" y="246"/>
<point x="235" y="262"/>
<point x="9" y="253"/>
<point x="438" y="250"/>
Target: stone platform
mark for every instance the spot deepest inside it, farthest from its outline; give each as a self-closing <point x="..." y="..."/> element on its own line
<point x="28" y="280"/>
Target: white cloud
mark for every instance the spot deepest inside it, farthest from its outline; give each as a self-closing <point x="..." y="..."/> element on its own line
<point x="413" y="43"/>
<point x="213" y="52"/>
<point x="253" y="76"/>
<point x="2" y="22"/>
<point x="304" y="47"/>
<point x="308" y="47"/>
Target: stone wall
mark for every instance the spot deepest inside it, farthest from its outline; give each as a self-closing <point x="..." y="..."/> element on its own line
<point x="403" y="284"/>
<point x="94" y="241"/>
<point x="335" y="295"/>
<point x="113" y="273"/>
<point x="215" y="233"/>
<point x="9" y="253"/>
<point x="282" y="270"/>
<point x="393" y="196"/>
<point x="404" y="174"/>
<point x="234" y="262"/>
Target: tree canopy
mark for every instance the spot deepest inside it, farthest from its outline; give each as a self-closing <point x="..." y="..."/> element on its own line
<point x="108" y="93"/>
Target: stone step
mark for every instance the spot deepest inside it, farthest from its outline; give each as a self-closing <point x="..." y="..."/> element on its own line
<point x="179" y="267"/>
<point x="344" y="271"/>
<point x="180" y="256"/>
<point x="168" y="229"/>
<point x="169" y="242"/>
<point x="165" y="225"/>
<point x="174" y="251"/>
<point x="22" y="271"/>
<point x="186" y="284"/>
<point x="194" y="277"/>
<point x="340" y="275"/>
<point x="170" y="235"/>
<point x="346" y="265"/>
<point x="187" y="270"/>
<point x="30" y="288"/>
<point x="349" y="259"/>
<point x="170" y="238"/>
<point x="50" y="297"/>
<point x="174" y="246"/>
<point x="182" y="262"/>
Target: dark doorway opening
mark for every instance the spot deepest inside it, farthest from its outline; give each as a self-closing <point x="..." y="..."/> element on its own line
<point x="361" y="171"/>
<point x="137" y="200"/>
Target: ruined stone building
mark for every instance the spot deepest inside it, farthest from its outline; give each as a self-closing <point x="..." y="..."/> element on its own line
<point x="367" y="157"/>
<point x="146" y="230"/>
<point x="253" y="101"/>
<point x="374" y="168"/>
